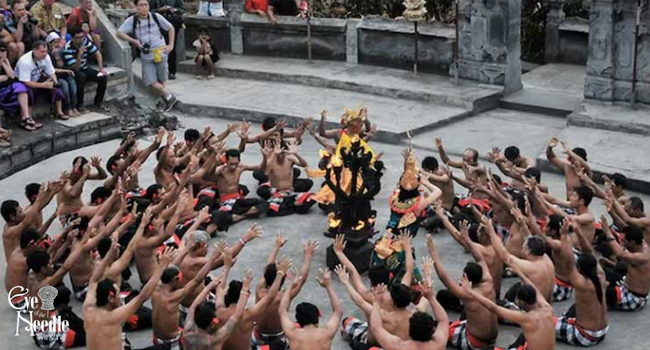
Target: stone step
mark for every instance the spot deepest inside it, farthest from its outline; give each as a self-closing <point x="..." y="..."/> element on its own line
<point x="380" y="81"/>
<point x="533" y="100"/>
<point x="620" y="117"/>
<point x="609" y="152"/>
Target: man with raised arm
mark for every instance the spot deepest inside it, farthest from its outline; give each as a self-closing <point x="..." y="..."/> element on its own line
<point x="103" y="313"/>
<point x="69" y="201"/>
<point x="630" y="214"/>
<point x="480" y="328"/>
<point x="633" y="294"/>
<point x="537" y="320"/>
<point x="202" y="333"/>
<point x="309" y="335"/>
<point x="423" y="332"/>
<point x="268" y="331"/>
<point x="588" y="325"/>
<point x="579" y="201"/>
<point x="577" y="158"/>
<point x="534" y="262"/>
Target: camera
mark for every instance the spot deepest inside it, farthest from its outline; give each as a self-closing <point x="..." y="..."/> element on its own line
<point x="32" y="20"/>
<point x="146" y="48"/>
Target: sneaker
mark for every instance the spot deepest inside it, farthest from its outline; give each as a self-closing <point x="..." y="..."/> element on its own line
<point x="172" y="77"/>
<point x="170" y="103"/>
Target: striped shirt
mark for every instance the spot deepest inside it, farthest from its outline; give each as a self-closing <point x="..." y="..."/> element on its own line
<point x="70" y="53"/>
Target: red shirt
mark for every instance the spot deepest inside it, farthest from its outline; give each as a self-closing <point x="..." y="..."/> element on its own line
<point x="76" y="17"/>
<point x="256" y="5"/>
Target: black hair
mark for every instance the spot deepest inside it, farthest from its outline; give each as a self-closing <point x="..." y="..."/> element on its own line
<point x="111" y="162"/>
<point x="472" y="232"/>
<point x="497" y="179"/>
<point x="74" y="30"/>
<point x="533" y="173"/>
<point x="62" y="296"/>
<point x="38" y="44"/>
<point x="580" y="152"/>
<point x="633" y="234"/>
<point x="104" y="246"/>
<point x="379" y="274"/>
<point x="83" y="160"/>
<point x="232" y="296"/>
<point x="511" y="153"/>
<point x="233" y="153"/>
<point x="28" y="236"/>
<point x="636" y="203"/>
<point x="270" y="273"/>
<point x="137" y="1"/>
<point x="474" y="272"/>
<point x="203" y="315"/>
<point x="429" y="163"/>
<point x="306" y="314"/>
<point x="585" y="193"/>
<point x="9" y="208"/>
<point x="407" y="194"/>
<point x="179" y="169"/>
<point x="268" y="123"/>
<point x="202" y="30"/>
<point x="37" y="260"/>
<point x="619" y="180"/>
<point x="104" y="289"/>
<point x="192" y="135"/>
<point x="527" y="294"/>
<point x="421" y="326"/>
<point x="100" y="192"/>
<point x="536" y="245"/>
<point x="151" y="191"/>
<point x="169" y="274"/>
<point x="31" y="190"/>
<point x="401" y="295"/>
<point x="554" y="224"/>
<point x="14" y="3"/>
<point x="160" y="150"/>
<point x="588" y="267"/>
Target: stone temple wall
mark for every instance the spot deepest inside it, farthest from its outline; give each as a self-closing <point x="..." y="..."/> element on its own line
<point x="610" y="66"/>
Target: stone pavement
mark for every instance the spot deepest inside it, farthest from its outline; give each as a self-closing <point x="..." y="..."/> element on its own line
<point x="628" y="330"/>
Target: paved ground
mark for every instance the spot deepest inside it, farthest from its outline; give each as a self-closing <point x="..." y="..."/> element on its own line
<point x="628" y="330"/>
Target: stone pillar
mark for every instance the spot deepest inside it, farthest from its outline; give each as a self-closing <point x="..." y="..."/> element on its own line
<point x="554" y="17"/>
<point x="599" y="83"/>
<point x="643" y="56"/>
<point x="236" y="38"/>
<point x="489" y="42"/>
<point x="352" y="41"/>
<point x="623" y="45"/>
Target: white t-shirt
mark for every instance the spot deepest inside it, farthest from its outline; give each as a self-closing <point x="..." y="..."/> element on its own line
<point x="29" y="70"/>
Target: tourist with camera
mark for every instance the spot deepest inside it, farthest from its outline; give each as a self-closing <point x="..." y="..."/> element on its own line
<point x="50" y="18"/>
<point x="173" y="11"/>
<point x="75" y="57"/>
<point x="23" y="27"/>
<point x="144" y="31"/>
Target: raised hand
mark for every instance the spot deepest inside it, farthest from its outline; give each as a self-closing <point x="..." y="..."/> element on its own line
<point x="342" y="273"/>
<point x="324" y="278"/>
<point x="204" y="215"/>
<point x="427" y="289"/>
<point x="438" y="142"/>
<point x="284" y="264"/>
<point x="339" y="243"/>
<point x="310" y="248"/>
<point x="405" y="239"/>
<point x="160" y="135"/>
<point x="431" y="246"/>
<point x="553" y="142"/>
<point x="167" y="256"/>
<point x="377" y="291"/>
<point x="227" y="256"/>
<point x="253" y="232"/>
<point x="248" y="278"/>
<point x="427" y="267"/>
<point x="280" y="240"/>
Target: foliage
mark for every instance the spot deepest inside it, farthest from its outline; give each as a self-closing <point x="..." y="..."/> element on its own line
<point x="439" y="10"/>
<point x="533" y="31"/>
<point x="577" y="8"/>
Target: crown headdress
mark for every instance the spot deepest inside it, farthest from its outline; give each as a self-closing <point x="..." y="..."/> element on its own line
<point x="47" y="295"/>
<point x="354" y="114"/>
<point x="410" y="179"/>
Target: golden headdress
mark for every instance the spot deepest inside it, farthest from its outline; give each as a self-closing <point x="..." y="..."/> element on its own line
<point x="410" y="179"/>
<point x="349" y="115"/>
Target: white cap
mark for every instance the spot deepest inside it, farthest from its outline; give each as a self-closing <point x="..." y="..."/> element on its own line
<point x="51" y="37"/>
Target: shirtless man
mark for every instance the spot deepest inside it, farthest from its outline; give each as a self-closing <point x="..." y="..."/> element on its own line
<point x="557" y="229"/>
<point x="470" y="158"/>
<point x="588" y="326"/>
<point x="17" y="269"/>
<point x="617" y="183"/>
<point x="423" y="333"/>
<point x="268" y="331"/>
<point x="202" y="334"/>
<point x="634" y="294"/>
<point x="32" y="191"/>
<point x="309" y="336"/>
<point x="279" y="169"/>
<point x="167" y="297"/>
<point x="537" y="320"/>
<point x="441" y="179"/>
<point x="534" y="262"/>
<point x="103" y="313"/>
<point x="577" y="155"/>
<point x="630" y="214"/>
<point x="167" y="161"/>
<point x="234" y="206"/>
<point x="240" y="339"/>
<point x="69" y="199"/>
<point x="480" y="328"/>
<point x="128" y="158"/>
<point x="17" y="220"/>
<point x="579" y="201"/>
<point x="395" y="313"/>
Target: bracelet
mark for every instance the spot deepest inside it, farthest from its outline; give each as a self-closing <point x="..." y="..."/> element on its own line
<point x="245" y="292"/>
<point x="242" y="241"/>
<point x="281" y="273"/>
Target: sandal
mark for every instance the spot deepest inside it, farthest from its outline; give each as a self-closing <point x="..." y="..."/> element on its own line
<point x="28" y="124"/>
<point x="62" y="117"/>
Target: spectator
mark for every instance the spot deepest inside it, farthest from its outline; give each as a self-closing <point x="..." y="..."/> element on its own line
<point x="50" y="18"/>
<point x="23" y="27"/>
<point x="172" y="10"/>
<point x="206" y="56"/>
<point x="75" y="57"/>
<point x="211" y="8"/>
<point x="257" y="6"/>
<point x="12" y="47"/>
<point x="8" y="100"/>
<point x="36" y="71"/>
<point x="152" y="46"/>
<point x="85" y="13"/>
<point x="66" y="76"/>
<point x="282" y="8"/>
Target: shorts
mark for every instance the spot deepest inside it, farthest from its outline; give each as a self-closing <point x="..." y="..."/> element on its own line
<point x="287" y="202"/>
<point x="261" y="341"/>
<point x="569" y="331"/>
<point x="460" y="338"/>
<point x="236" y="206"/>
<point x="627" y="300"/>
<point x="562" y="290"/>
<point x="355" y="330"/>
<point x="154" y="72"/>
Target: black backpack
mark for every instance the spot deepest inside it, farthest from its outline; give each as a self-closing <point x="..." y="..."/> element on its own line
<point x="135" y="52"/>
